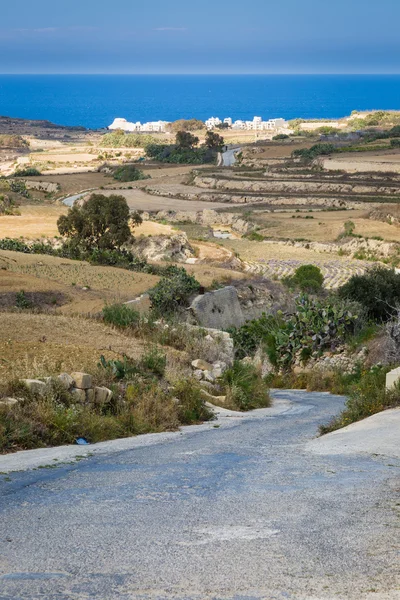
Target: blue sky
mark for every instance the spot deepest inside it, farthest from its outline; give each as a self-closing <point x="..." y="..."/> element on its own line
<point x="210" y="36"/>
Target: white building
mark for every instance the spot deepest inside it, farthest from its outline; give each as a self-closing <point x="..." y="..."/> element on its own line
<point x="228" y="121"/>
<point x="151" y="126"/>
<point x="213" y="122"/>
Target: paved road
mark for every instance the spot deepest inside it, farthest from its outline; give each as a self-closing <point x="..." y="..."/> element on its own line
<point x="237" y="512"/>
<point x="229" y="158"/>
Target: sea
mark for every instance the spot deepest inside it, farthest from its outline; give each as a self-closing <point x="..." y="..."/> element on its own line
<point x="93" y="101"/>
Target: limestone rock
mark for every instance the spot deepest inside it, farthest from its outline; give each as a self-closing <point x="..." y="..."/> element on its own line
<point x="208" y="376"/>
<point x="213" y="399"/>
<point x="79" y="395"/>
<point x="66" y="380"/>
<point x="203" y="365"/>
<point x="102" y="395"/>
<point x="8" y="402"/>
<point x="392" y="378"/>
<point x="164" y="247"/>
<point x="35" y="385"/>
<point x="90" y="396"/>
<point x="218" y="310"/>
<point x="198" y="374"/>
<point x="83" y="381"/>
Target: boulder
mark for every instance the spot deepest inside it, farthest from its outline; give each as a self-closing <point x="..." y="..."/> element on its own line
<point x="90" y="396"/>
<point x="35" y="385"/>
<point x="66" y="380"/>
<point x="201" y="364"/>
<point x="102" y="395"/>
<point x="8" y="402"/>
<point x="392" y="378"/>
<point x="198" y="374"/>
<point x="208" y="376"/>
<point x="164" y="247"/>
<point x="83" y="381"/>
<point x="213" y="399"/>
<point x="218" y="310"/>
<point x="79" y="395"/>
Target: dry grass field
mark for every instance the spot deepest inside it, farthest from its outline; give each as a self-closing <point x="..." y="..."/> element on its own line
<point x="352" y="162"/>
<point x="35" y="221"/>
<point x="324" y="226"/>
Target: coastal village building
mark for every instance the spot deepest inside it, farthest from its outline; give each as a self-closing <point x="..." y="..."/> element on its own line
<point x="149" y="127"/>
<point x="257" y="124"/>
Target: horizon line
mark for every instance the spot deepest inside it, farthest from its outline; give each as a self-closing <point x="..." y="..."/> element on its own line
<point x="201" y="74"/>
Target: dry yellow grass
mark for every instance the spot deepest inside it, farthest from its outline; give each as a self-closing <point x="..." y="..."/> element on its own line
<point x="37" y="345"/>
<point x="35" y="221"/>
<point x="325" y="226"/>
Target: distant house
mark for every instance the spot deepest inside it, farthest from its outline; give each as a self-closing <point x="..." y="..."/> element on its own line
<point x="150" y="127"/>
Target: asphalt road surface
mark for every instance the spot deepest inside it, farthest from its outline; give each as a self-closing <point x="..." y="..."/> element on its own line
<point x="241" y="511"/>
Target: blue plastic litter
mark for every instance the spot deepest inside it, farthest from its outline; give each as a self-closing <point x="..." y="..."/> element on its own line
<point x="81" y="442"/>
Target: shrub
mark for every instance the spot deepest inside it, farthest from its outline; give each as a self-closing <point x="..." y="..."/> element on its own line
<point x="378" y="291"/>
<point x="308" y="278"/>
<point x="395" y="143"/>
<point x="254" y="236"/>
<point x="317" y="325"/>
<point x="120" y="315"/>
<point x="22" y="301"/>
<point x="280" y="136"/>
<point x="191" y="407"/>
<point x="28" y="172"/>
<point x="129" y="173"/>
<point x="119" y="139"/>
<point x="172" y="293"/>
<point x="245" y="388"/>
<point x="308" y="154"/>
<point x="154" y="361"/>
<point x="366" y="397"/>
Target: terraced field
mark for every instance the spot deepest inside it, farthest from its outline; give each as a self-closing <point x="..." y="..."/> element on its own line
<point x="335" y="272"/>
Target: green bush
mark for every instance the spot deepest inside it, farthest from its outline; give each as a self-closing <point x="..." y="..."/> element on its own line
<point x="308" y="278"/>
<point x="367" y="397"/>
<point x="280" y="136"/>
<point x="395" y="143"/>
<point x="120" y="315"/>
<point x="129" y="173"/>
<point x="378" y="291"/>
<point x="173" y="292"/>
<point x="28" y="172"/>
<point x="172" y="153"/>
<point x="317" y="325"/>
<point x="120" y="139"/>
<point x="308" y="154"/>
<point x="244" y="387"/>
<point x="191" y="407"/>
<point x="154" y="361"/>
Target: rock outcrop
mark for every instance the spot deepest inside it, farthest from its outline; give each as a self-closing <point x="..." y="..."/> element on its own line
<point x="218" y="310"/>
<point x="164" y="247"/>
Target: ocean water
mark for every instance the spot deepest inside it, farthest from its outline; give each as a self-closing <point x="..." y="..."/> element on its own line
<point x="93" y="101"/>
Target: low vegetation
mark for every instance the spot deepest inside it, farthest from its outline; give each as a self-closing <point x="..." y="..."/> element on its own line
<point x="244" y="387"/>
<point x="142" y="402"/>
<point x="120" y="139"/>
<point x="129" y="173"/>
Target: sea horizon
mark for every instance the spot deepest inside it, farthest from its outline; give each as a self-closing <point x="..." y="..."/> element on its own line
<point x="95" y="100"/>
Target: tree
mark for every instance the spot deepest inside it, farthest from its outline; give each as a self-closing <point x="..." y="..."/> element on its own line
<point x="184" y="139"/>
<point x="378" y="291"/>
<point x="102" y="222"/>
<point x="214" y="141"/>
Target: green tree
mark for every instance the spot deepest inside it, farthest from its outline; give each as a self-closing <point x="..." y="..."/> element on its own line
<point x="103" y="222"/>
<point x="214" y="141"/>
<point x="184" y="139"/>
